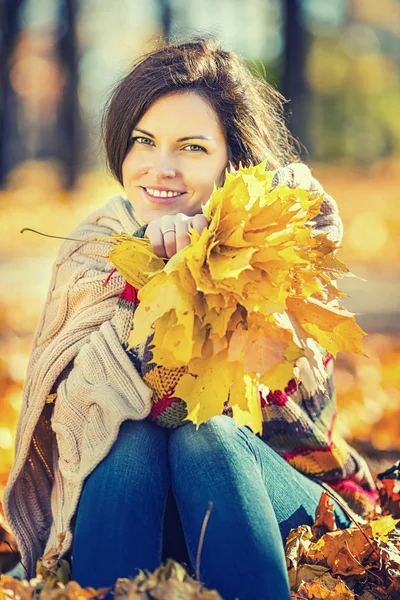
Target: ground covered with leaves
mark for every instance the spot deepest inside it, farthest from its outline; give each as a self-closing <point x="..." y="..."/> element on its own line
<point x="324" y="562"/>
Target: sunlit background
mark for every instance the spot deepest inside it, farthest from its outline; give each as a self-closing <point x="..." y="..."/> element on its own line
<point x="337" y="61"/>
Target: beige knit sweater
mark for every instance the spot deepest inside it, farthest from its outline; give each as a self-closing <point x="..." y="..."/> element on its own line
<point x="76" y="351"/>
<point x="78" y="328"/>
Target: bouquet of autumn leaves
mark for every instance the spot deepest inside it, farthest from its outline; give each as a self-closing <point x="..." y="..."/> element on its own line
<point x="248" y="302"/>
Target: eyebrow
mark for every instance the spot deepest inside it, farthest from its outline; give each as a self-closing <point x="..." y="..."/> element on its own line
<point x="182" y="139"/>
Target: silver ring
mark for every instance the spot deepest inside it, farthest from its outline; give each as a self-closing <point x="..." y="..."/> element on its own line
<point x="166" y="231"/>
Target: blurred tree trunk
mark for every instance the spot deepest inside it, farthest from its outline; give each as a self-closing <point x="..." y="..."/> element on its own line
<point x="9" y="29"/>
<point x="294" y="81"/>
<point x="165" y="17"/>
<point x="69" y="149"/>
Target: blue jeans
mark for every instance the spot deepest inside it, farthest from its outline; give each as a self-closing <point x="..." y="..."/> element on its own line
<point x="153" y="475"/>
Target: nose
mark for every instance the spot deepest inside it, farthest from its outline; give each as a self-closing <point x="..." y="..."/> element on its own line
<point x="162" y="169"/>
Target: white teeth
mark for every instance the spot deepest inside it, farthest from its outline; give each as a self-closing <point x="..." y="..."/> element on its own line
<point x="162" y="193"/>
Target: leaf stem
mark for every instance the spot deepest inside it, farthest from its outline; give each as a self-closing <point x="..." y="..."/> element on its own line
<point x="57" y="237"/>
<point x="202" y="532"/>
<point x="354" y="521"/>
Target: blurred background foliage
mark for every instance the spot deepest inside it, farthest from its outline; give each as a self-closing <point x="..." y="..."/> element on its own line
<point x="336" y="61"/>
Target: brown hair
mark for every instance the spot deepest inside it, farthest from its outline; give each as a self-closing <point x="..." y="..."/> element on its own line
<point x="249" y="109"/>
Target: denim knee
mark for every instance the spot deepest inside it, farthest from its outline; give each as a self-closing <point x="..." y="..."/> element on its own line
<point x="138" y="459"/>
<point x="187" y="440"/>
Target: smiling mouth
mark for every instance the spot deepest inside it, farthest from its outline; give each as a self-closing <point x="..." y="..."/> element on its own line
<point x="161" y="200"/>
<point x="162" y="193"/>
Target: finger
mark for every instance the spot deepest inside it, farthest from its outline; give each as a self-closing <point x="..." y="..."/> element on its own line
<point x="168" y="222"/>
<point x="199" y="222"/>
<point x="154" y="233"/>
<point x="182" y="237"/>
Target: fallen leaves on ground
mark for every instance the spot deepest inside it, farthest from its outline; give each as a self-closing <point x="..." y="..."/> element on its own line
<point x="324" y="562"/>
<point x="361" y="562"/>
<point x="169" y="582"/>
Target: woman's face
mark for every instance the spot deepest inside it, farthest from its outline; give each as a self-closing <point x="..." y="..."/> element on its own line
<point x="178" y="152"/>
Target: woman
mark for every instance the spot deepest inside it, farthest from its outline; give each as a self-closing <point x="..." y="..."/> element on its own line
<point x="89" y="463"/>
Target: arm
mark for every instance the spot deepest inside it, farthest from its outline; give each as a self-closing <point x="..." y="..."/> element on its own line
<point x="80" y="348"/>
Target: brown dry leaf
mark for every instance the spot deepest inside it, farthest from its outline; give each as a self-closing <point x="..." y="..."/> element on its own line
<point x="51" y="398"/>
<point x="375" y="592"/>
<point x="394" y="588"/>
<point x="345" y="541"/>
<point x="50" y="559"/>
<point x="347" y="563"/>
<point x="307" y="573"/>
<point x="14" y="588"/>
<point x="324" y="517"/>
<point x="71" y="591"/>
<point x="51" y="569"/>
<point x="364" y="557"/>
<point x="296" y="548"/>
<point x="170" y="590"/>
<point x="169" y="582"/>
<point x="327" y="588"/>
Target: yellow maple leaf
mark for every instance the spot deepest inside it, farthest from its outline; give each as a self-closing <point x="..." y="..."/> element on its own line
<point x="326" y="588"/>
<point x="135" y="259"/>
<point x="381" y="527"/>
<point x="245" y="401"/>
<point x="245" y="303"/>
<point x="206" y="387"/>
<point x="333" y="326"/>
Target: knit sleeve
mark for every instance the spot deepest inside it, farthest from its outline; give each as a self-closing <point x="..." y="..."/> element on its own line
<point x="101" y="381"/>
<point x="328" y="220"/>
<point x="86" y="292"/>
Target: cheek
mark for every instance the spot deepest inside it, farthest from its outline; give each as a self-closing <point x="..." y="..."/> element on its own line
<point x="206" y="175"/>
<point x="131" y="169"/>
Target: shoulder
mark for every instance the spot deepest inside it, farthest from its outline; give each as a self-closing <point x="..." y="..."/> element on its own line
<point x="115" y="216"/>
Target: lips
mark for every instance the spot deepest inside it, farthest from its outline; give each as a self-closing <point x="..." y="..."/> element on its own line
<point x="162" y="199"/>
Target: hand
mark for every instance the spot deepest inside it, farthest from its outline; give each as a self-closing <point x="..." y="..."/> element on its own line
<point x="167" y="243"/>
